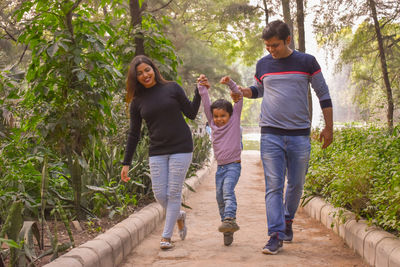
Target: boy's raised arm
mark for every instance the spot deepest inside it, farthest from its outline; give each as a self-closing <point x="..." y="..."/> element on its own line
<point x="203" y="85"/>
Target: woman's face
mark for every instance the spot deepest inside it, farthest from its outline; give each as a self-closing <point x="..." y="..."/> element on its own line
<point x="145" y="75"/>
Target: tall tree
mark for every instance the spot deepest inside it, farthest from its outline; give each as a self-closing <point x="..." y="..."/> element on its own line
<point x="300" y="26"/>
<point x="288" y="19"/>
<point x="70" y="78"/>
<point x="266" y="12"/>
<point x="302" y="45"/>
<point x="382" y="57"/>
<point x="136" y="9"/>
<point x="341" y="15"/>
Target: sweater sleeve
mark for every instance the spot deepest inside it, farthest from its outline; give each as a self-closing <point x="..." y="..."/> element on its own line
<point x="133" y="134"/>
<point x="205" y="98"/>
<point x="189" y="108"/>
<point x="237" y="107"/>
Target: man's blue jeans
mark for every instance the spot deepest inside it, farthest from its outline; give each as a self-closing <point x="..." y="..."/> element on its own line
<point x="281" y="154"/>
<point x="226" y="178"/>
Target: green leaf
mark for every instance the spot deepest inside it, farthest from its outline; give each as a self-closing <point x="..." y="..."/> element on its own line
<point x="52" y="50"/>
<point x="81" y="75"/>
<point x="10" y="243"/>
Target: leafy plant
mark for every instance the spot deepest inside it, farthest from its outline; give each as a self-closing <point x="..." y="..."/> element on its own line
<point x="360" y="171"/>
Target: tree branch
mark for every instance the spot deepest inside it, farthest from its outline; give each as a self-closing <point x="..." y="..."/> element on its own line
<point x="20" y="58"/>
<point x="69" y="18"/>
<point x="9" y="34"/>
<point x="164" y="6"/>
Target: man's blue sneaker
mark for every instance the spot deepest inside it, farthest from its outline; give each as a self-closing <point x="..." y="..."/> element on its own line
<point x="273" y="245"/>
<point x="288" y="231"/>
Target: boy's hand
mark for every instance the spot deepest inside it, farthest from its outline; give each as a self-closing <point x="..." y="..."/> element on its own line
<point x="225" y="80"/>
<point x="236" y="97"/>
<point x="202" y="80"/>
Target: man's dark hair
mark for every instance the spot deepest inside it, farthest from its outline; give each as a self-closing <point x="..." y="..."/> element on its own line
<point x="276" y="28"/>
<point x="222" y="104"/>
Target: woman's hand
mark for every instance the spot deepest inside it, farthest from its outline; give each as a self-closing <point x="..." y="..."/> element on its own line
<point x="202" y="80"/>
<point x="124" y="174"/>
<point x="225" y="80"/>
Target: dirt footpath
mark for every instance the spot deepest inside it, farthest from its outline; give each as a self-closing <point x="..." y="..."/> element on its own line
<point x="313" y="244"/>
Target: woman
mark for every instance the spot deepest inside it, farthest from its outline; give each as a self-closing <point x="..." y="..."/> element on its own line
<point x="160" y="104"/>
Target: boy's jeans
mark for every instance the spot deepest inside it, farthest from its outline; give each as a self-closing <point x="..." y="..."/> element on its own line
<point x="278" y="154"/>
<point x="168" y="173"/>
<point x="226" y="178"/>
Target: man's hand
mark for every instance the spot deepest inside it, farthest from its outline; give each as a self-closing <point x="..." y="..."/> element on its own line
<point x="326" y="136"/>
<point x="236" y="97"/>
<point x="246" y="91"/>
<point x="327" y="132"/>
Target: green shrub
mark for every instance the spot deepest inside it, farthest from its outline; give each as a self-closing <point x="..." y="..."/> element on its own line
<point x="360" y="171"/>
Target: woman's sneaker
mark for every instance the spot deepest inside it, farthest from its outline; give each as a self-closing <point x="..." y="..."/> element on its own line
<point x="228" y="238"/>
<point x="228" y="225"/>
<point x="273" y="245"/>
<point x="166" y="243"/>
<point x="182" y="229"/>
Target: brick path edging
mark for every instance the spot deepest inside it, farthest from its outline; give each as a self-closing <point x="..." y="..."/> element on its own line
<point x="376" y="246"/>
<point x="110" y="248"/>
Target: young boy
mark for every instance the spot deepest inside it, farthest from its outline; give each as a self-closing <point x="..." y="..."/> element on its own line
<point x="224" y="121"/>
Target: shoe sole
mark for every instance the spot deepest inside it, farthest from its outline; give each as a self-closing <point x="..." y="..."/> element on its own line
<point x="166" y="245"/>
<point x="269" y="252"/>
<point x="228" y="239"/>
<point x="224" y="230"/>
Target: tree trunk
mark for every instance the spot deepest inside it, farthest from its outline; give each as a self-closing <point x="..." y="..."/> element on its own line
<point x="288" y="19"/>
<point x="72" y="147"/>
<point x="300" y="26"/>
<point x="266" y="12"/>
<point x="136" y="21"/>
<point x="302" y="46"/>
<point x="383" y="65"/>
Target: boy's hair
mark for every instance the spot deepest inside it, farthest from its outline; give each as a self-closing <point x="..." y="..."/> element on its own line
<point x="222" y="104"/>
<point x="276" y="28"/>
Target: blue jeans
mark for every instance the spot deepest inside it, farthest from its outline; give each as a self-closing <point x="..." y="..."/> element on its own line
<point x="168" y="173"/>
<point x="281" y="153"/>
<point x="226" y="178"/>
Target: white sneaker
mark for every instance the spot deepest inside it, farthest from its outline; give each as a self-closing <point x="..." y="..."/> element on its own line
<point x="166" y="243"/>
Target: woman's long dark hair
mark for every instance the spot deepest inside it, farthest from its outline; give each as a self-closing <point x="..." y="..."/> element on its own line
<point x="133" y="87"/>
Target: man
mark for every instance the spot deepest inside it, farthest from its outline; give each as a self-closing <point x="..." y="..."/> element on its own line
<point x="282" y="80"/>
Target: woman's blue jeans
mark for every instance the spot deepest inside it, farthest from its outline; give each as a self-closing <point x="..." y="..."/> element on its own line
<point x="281" y="155"/>
<point x="226" y="178"/>
<point x="168" y="173"/>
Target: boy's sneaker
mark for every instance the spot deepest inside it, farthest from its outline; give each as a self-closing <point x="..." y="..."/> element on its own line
<point x="228" y="238"/>
<point x="273" y="245"/>
<point x="288" y="231"/>
<point x="228" y="225"/>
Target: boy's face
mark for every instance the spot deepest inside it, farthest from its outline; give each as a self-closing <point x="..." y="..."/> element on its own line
<point x="220" y="117"/>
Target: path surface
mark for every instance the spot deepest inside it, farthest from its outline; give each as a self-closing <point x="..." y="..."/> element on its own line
<point x="313" y="245"/>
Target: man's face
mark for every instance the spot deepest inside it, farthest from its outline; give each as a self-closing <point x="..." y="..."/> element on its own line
<point x="278" y="48"/>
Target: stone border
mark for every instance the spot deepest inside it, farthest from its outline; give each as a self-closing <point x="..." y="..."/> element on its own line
<point x="377" y="247"/>
<point x="110" y="248"/>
